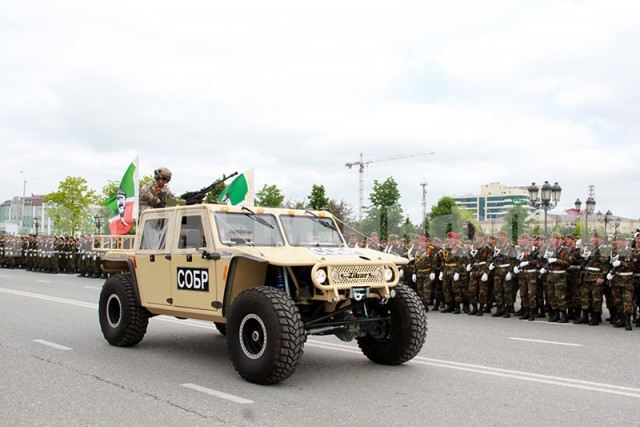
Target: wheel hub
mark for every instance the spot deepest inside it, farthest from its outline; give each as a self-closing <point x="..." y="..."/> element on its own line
<point x="253" y="336"/>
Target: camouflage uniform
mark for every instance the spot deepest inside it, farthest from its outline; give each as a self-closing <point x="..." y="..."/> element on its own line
<point x="503" y="262"/>
<point x="621" y="279"/>
<point x="479" y="278"/>
<point x="574" y="280"/>
<point x="455" y="287"/>
<point x="424" y="270"/>
<point x="153" y="194"/>
<point x="557" y="263"/>
<point x="593" y="288"/>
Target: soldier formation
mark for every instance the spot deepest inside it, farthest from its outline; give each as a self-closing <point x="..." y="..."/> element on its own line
<point x="560" y="280"/>
<point x="51" y="254"/>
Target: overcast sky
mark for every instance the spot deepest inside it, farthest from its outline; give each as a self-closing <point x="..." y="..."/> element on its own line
<point x="501" y="91"/>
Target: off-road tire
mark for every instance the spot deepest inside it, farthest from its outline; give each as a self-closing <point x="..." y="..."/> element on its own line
<point x="221" y="327"/>
<point x="265" y="335"/>
<point x="406" y="332"/>
<point x="122" y="320"/>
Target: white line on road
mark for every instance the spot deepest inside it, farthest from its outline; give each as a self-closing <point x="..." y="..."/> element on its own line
<point x="217" y="393"/>
<point x="93" y="287"/>
<point x="546" y="342"/>
<point x="43" y="281"/>
<point x="486" y="370"/>
<point x="52" y="345"/>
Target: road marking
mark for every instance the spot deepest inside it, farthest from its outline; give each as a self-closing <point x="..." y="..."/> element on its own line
<point x="486" y="370"/>
<point x="93" y="287"/>
<point x="546" y="342"/>
<point x="43" y="281"/>
<point x="217" y="393"/>
<point x="6" y="277"/>
<point x="52" y="345"/>
<point x="505" y="373"/>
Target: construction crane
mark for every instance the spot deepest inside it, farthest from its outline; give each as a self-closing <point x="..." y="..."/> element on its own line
<point x="361" y="164"/>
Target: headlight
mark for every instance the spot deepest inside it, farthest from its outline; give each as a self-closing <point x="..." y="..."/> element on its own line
<point x="388" y="274"/>
<point x="321" y="275"/>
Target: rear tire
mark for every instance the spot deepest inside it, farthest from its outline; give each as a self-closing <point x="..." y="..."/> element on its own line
<point x="122" y="320"/>
<point x="265" y="335"/>
<point x="406" y="332"/>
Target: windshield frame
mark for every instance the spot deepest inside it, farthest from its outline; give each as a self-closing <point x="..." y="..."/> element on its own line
<point x="243" y="229"/>
<point x="327" y="235"/>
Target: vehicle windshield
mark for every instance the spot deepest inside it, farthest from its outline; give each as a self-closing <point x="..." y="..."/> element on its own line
<point x="235" y="228"/>
<point x="311" y="231"/>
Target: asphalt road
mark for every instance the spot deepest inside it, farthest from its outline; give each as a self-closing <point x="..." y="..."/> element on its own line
<point x="57" y="369"/>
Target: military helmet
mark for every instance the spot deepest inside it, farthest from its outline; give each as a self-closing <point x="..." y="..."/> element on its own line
<point x="163" y="173"/>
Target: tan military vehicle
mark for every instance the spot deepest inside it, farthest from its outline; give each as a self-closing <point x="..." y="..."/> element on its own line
<point x="267" y="278"/>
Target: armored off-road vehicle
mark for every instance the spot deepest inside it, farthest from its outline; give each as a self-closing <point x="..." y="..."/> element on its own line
<point x="267" y="278"/>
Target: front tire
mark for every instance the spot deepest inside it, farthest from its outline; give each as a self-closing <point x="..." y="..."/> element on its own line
<point x="265" y="335"/>
<point x="122" y="320"/>
<point x="405" y="334"/>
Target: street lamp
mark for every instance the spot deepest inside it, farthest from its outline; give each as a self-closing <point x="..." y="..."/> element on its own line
<point x="36" y="223"/>
<point x="607" y="220"/>
<point x="98" y="221"/>
<point x="549" y="198"/>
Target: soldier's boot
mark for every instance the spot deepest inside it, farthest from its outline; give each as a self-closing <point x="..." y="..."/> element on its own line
<point x="584" y="319"/>
<point x="612" y="316"/>
<point x="465" y="307"/>
<point x="456" y="308"/>
<point x="571" y="315"/>
<point x="562" y="316"/>
<point x="499" y="311"/>
<point x="540" y="314"/>
<point x="638" y="322"/>
<point x="627" y="322"/>
<point x="81" y="274"/>
<point x="443" y="305"/>
<point x="474" y="310"/>
<point x="520" y="312"/>
<point x="436" y="305"/>
<point x="507" y="312"/>
<point x="448" y="308"/>
<point x="480" y="310"/>
<point x="596" y="318"/>
<point x="619" y="321"/>
<point x="553" y="316"/>
<point x="532" y="315"/>
<point x="487" y="308"/>
<point x="525" y="314"/>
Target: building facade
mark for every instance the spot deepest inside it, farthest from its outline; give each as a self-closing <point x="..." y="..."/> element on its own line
<point x="20" y="219"/>
<point x="494" y="201"/>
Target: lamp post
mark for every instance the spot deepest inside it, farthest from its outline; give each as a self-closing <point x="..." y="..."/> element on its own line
<point x="607" y="220"/>
<point x="36" y="223"/>
<point x="98" y="221"/>
<point x="590" y="207"/>
<point x="548" y="199"/>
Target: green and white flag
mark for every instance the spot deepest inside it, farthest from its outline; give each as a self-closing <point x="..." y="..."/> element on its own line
<point x="124" y="204"/>
<point x="240" y="191"/>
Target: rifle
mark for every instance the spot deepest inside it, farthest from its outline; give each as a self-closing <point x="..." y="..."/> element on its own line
<point x="196" y="197"/>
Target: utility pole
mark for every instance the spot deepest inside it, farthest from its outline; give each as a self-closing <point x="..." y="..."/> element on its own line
<point x="424" y="201"/>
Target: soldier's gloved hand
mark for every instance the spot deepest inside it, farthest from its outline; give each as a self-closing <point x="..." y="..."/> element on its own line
<point x="516" y="270"/>
<point x="543" y="271"/>
<point x="432" y="276"/>
<point x="468" y="267"/>
<point x="524" y="264"/>
<point x="616" y="263"/>
<point x="552" y="260"/>
<point x="413" y="277"/>
<point x="441" y="275"/>
<point x="508" y="276"/>
<point x="456" y="277"/>
<point x="161" y="204"/>
<point x="491" y="266"/>
<point x="609" y="276"/>
<point x="473" y="252"/>
<point x="484" y="277"/>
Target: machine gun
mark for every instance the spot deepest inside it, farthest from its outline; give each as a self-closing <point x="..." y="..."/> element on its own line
<point x="196" y="197"/>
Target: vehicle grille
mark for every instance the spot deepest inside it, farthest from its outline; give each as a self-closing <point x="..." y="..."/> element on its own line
<point x="357" y="274"/>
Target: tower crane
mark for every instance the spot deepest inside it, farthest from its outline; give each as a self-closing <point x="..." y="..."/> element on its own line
<point x="362" y="163"/>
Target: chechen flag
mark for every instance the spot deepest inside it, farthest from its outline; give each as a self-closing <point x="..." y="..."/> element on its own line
<point x="240" y="191"/>
<point x="124" y="204"/>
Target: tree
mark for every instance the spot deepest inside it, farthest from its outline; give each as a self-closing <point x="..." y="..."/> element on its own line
<point x="385" y="210"/>
<point x="270" y="196"/>
<point x="71" y="211"/>
<point x="514" y="222"/>
<point x="342" y="211"/>
<point x="318" y="198"/>
<point x="445" y="217"/>
<point x="213" y="195"/>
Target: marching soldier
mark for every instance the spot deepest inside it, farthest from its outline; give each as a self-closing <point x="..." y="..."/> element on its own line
<point x="454" y="259"/>
<point x="557" y="263"/>
<point x="574" y="273"/>
<point x="424" y="267"/>
<point x="478" y="267"/>
<point x="624" y="263"/>
<point x="502" y="265"/>
<point x="596" y="260"/>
